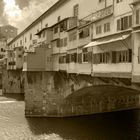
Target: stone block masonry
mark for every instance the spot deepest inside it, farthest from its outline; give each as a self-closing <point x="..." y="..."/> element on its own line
<point x="12" y="82"/>
<point x="58" y="94"/>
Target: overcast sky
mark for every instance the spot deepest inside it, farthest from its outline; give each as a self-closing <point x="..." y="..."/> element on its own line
<point x="20" y="13"/>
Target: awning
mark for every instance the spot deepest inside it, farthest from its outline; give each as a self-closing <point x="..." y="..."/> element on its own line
<point x="105" y="41"/>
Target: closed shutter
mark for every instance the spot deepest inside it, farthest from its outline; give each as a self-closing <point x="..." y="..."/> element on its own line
<point x="58" y="43"/>
<point x="130" y="21"/>
<point x="75" y="57"/>
<point x="139" y="55"/>
<point x="137" y="16"/>
<point x="125" y="22"/>
<point x="67" y="58"/>
<point x="114" y="57"/>
<point x="94" y="59"/>
<point x="80" y="57"/>
<point x="130" y="55"/>
<point x="122" y="25"/>
<point x="89" y="57"/>
<point x="118" y="24"/>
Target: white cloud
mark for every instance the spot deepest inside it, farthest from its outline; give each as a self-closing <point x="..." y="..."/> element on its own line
<point x="22" y="18"/>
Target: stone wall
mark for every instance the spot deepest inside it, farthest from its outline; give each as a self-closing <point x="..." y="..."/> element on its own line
<point x="58" y="94"/>
<point x="12" y="81"/>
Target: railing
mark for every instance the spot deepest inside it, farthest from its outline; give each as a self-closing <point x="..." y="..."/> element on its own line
<point x="96" y="16"/>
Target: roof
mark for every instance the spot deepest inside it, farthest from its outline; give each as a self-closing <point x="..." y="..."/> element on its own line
<point x="105" y="41"/>
<point x="42" y="30"/>
<point x="49" y="11"/>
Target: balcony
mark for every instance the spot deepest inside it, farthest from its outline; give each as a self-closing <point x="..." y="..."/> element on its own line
<point x="96" y="16"/>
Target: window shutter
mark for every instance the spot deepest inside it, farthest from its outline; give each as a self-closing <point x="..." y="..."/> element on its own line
<point x="118" y="24"/>
<point x="89" y="57"/>
<point x="80" y="57"/>
<point x="130" y="55"/>
<point x="114" y="57"/>
<point x="137" y="16"/>
<point x="94" y="59"/>
<point x="58" y="43"/>
<point x="130" y="21"/>
<point x="125" y="22"/>
<point x="67" y="58"/>
<point x="75" y="57"/>
<point x="139" y="55"/>
<point x="122" y="25"/>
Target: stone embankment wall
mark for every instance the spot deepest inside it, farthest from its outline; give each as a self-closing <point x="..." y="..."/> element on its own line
<point x="12" y="81"/>
<point x="57" y="94"/>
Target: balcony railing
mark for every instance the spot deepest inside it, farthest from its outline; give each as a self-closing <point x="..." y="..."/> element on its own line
<point x="96" y="16"/>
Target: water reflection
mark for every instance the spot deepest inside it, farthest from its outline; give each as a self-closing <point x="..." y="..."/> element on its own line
<point x="109" y="126"/>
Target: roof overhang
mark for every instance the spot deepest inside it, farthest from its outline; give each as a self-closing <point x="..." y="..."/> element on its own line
<point x="106" y="41"/>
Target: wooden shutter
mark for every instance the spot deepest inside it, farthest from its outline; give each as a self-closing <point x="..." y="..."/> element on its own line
<point x="80" y="57"/>
<point x="113" y="60"/>
<point x="75" y="57"/>
<point x="125" y="22"/>
<point x="58" y="43"/>
<point x="130" y="55"/>
<point x="67" y="58"/>
<point x="130" y="21"/>
<point x="137" y="16"/>
<point x="89" y="57"/>
<point x="118" y="24"/>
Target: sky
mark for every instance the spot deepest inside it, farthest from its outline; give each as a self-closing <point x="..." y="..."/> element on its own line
<point x="21" y="13"/>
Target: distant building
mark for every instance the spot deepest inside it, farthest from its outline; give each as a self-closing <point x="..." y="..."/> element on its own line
<point x="3" y="47"/>
<point x="8" y="31"/>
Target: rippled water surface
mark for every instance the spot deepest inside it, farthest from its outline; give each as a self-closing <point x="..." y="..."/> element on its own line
<point x="110" y="126"/>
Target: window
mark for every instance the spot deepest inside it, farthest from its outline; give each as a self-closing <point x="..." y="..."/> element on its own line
<point x="73" y="36"/>
<point x="101" y="58"/>
<point x="65" y="42"/>
<point x="19" y="56"/>
<point x="137" y="16"/>
<point x="31" y="36"/>
<point x="101" y="1"/>
<point x="55" y="29"/>
<point x="106" y="27"/>
<point x="84" y="33"/>
<point x="139" y="55"/>
<point x="46" y="25"/>
<point x="58" y="19"/>
<point x="62" y="59"/>
<point x="124" y="23"/>
<point x="85" y="55"/>
<point x="73" y="57"/>
<point x="25" y="39"/>
<point x="61" y="43"/>
<point x="99" y="29"/>
<point x="118" y="1"/>
<point x="63" y="26"/>
<point x="44" y="33"/>
<point x="56" y="43"/>
<point x="20" y="42"/>
<point x="76" y="10"/>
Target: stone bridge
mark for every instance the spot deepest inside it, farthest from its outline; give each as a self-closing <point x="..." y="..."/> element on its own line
<point x="58" y="94"/>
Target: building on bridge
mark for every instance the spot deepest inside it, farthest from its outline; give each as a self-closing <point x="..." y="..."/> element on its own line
<point x="76" y="44"/>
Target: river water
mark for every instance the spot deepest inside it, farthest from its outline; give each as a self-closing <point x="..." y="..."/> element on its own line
<point x="109" y="126"/>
